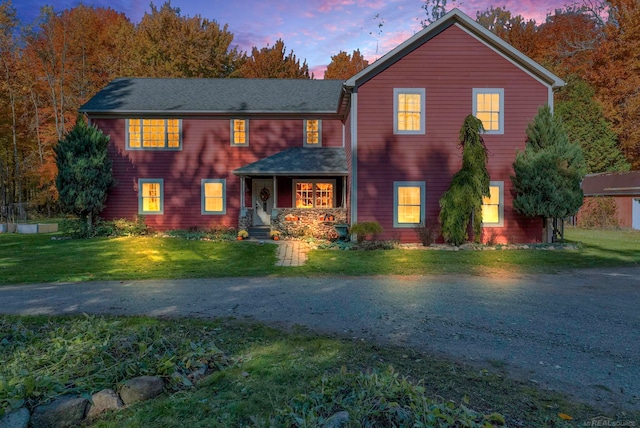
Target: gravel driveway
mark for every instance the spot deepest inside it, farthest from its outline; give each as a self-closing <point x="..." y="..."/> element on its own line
<point x="577" y="332"/>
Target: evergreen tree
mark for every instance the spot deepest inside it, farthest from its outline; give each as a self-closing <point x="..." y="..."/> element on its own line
<point x="586" y="126"/>
<point x="549" y="171"/>
<point x="84" y="171"/>
<point x="463" y="199"/>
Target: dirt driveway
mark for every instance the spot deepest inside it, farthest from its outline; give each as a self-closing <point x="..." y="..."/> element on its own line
<point x="577" y="332"/>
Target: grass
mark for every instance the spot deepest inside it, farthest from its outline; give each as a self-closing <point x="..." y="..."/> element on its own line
<point x="38" y="258"/>
<point x="599" y="248"/>
<point x="261" y="376"/>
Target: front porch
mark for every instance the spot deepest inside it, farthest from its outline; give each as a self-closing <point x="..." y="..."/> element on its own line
<point x="298" y="192"/>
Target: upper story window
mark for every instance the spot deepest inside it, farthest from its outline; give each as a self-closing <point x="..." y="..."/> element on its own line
<point x="314" y="194"/>
<point x="150" y="134"/>
<point x="493" y="206"/>
<point x="313" y="132"/>
<point x="214" y="196"/>
<point x="409" y="111"/>
<point x="409" y="203"/>
<point x="488" y="106"/>
<point x="239" y="132"/>
<point x="150" y="196"/>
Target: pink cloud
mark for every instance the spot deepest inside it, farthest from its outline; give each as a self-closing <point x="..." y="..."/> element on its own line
<point x="331" y="5"/>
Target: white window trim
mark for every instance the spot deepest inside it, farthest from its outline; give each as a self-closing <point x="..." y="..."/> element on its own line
<point x="246" y="132"/>
<point x="142" y="181"/>
<point x="423" y="194"/>
<point x="314" y="182"/>
<point x="319" y="133"/>
<point x="500" y="222"/>
<point x="166" y="142"/>
<point x="224" y="196"/>
<point x="422" y="93"/>
<point x="499" y="91"/>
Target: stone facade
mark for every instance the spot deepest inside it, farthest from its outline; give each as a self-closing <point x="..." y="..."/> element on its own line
<point x="246" y="219"/>
<point x="312" y="222"/>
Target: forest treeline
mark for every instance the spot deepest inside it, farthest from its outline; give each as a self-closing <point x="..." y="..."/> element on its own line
<point x="50" y="68"/>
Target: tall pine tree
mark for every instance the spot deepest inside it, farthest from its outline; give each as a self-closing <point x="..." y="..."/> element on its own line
<point x="463" y="199"/>
<point x="84" y="171"/>
<point x="548" y="173"/>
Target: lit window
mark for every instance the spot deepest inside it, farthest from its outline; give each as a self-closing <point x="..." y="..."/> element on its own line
<point x="493" y="206"/>
<point x="313" y="132"/>
<point x="150" y="199"/>
<point x="314" y="194"/>
<point x="409" y="207"/>
<point x="488" y="106"/>
<point x="153" y="134"/>
<point x="239" y="132"/>
<point x="409" y="105"/>
<point x="213" y="196"/>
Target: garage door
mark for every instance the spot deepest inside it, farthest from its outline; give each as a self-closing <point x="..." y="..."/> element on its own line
<point x="635" y="213"/>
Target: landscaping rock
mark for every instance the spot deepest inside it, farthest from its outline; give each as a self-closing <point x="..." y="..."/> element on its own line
<point x="140" y="389"/>
<point x="107" y="399"/>
<point x="61" y="413"/>
<point x="337" y="420"/>
<point x="16" y="419"/>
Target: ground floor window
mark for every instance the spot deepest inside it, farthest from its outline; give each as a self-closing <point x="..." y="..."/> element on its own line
<point x="150" y="196"/>
<point x="214" y="196"/>
<point x="314" y="194"/>
<point x="493" y="206"/>
<point x="409" y="203"/>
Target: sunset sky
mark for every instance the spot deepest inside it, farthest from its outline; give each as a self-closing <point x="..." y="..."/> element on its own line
<point x="314" y="29"/>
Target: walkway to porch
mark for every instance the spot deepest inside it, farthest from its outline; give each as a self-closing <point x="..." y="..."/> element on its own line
<point x="291" y="253"/>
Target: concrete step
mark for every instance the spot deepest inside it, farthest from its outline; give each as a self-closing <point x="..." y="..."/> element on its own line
<point x="259" y="232"/>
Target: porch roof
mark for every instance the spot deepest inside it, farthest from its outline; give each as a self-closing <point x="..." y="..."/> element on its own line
<point x="300" y="161"/>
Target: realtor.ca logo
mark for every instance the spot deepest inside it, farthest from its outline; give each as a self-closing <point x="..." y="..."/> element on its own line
<point x="602" y="421"/>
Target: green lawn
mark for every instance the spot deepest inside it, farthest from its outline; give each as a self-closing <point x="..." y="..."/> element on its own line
<point x="38" y="258"/>
<point x="258" y="376"/>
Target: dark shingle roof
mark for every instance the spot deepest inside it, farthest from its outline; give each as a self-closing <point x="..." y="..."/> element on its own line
<point x="303" y="161"/>
<point x="198" y="96"/>
<point x="612" y="184"/>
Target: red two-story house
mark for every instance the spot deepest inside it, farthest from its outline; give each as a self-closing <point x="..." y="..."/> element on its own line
<point x="301" y="155"/>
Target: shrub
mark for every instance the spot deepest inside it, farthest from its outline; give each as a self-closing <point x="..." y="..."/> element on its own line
<point x="367" y="228"/>
<point x="598" y="212"/>
<point x="428" y="233"/>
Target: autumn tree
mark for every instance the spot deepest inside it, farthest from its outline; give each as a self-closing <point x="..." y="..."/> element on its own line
<point x="167" y="44"/>
<point x="461" y="204"/>
<point x="84" y="171"/>
<point x="586" y="126"/>
<point x="514" y="29"/>
<point x="343" y="65"/>
<point x="274" y="63"/>
<point x="10" y="86"/>
<point x="548" y="173"/>
<point x="615" y="75"/>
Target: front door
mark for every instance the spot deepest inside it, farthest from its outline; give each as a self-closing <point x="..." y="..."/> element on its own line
<point x="262" y="202"/>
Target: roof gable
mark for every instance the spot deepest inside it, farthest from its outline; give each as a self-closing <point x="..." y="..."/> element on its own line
<point x="217" y="96"/>
<point x="456" y="17"/>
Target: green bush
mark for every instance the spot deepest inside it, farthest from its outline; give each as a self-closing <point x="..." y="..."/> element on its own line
<point x="364" y="229"/>
<point x="598" y="212"/>
<point x="378" y="400"/>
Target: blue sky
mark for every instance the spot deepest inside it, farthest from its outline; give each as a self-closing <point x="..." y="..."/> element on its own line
<point x="314" y="29"/>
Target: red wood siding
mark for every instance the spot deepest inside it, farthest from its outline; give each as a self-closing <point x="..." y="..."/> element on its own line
<point x="206" y="153"/>
<point x="449" y="66"/>
<point x="624" y="205"/>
